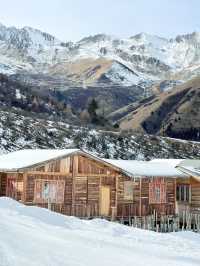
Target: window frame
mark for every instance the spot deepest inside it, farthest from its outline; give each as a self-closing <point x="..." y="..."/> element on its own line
<point x="183" y="193"/>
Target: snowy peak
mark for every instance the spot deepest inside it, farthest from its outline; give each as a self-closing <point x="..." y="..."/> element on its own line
<point x="149" y="39"/>
<point x="26" y="37"/>
<point x="95" y="38"/>
<point x="41" y="38"/>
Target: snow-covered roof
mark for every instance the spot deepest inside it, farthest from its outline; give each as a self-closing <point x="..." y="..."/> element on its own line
<point x="29" y="157"/>
<point x="173" y="162"/>
<point x="145" y="169"/>
<point x="190" y="167"/>
<point x="25" y="158"/>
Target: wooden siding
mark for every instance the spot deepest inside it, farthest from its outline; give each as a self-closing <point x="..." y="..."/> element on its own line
<point x="82" y="178"/>
<point x="3" y="181"/>
<point x="195" y="195"/>
<point x="193" y="205"/>
<point x="141" y="206"/>
<point x="11" y="185"/>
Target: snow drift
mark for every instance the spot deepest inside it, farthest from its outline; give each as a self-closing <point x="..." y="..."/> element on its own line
<point x="35" y="236"/>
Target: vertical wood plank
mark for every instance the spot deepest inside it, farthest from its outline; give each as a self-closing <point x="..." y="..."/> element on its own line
<point x="140" y="207"/>
<point x="175" y="210"/>
<point x="25" y="182"/>
<point x="74" y="173"/>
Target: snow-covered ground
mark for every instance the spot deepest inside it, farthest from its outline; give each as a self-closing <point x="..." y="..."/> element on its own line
<point x="33" y="236"/>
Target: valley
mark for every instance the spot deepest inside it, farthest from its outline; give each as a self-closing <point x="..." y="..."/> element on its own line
<point x="144" y="84"/>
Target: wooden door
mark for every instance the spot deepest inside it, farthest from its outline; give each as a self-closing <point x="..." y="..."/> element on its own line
<point x="105" y="201"/>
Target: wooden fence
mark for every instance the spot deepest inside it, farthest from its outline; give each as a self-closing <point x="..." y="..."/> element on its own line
<point x="166" y="223"/>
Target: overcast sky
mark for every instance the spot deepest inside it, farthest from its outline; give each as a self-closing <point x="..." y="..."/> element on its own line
<point x="74" y="19"/>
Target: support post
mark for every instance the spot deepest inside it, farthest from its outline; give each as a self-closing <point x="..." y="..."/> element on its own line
<point x="25" y="183"/>
<point x="74" y="174"/>
<point x="140" y="207"/>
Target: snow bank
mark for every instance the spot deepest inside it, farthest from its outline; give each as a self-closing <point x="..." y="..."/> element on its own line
<point x="34" y="236"/>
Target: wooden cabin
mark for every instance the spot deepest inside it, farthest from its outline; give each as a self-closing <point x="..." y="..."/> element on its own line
<point x="188" y="188"/>
<point x="74" y="182"/>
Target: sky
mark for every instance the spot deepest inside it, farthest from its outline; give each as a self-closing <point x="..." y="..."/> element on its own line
<point x="75" y="19"/>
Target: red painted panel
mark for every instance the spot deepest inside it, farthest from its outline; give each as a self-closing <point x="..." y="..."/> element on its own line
<point x="49" y="190"/>
<point x="157" y="191"/>
<point x="11" y="187"/>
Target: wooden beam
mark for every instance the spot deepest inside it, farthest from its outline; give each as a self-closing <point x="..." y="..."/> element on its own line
<point x="74" y="173"/>
<point x="114" y="215"/>
<point x="100" y="184"/>
<point x="49" y="173"/>
<point x="95" y="175"/>
<point x="24" y="187"/>
<point x="140" y="207"/>
<point x="68" y="175"/>
<point x="175" y="195"/>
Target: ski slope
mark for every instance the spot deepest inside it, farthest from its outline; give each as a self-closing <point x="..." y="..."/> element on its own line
<point x="34" y="236"/>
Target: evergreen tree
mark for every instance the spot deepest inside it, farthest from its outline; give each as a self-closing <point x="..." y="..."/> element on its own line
<point x="92" y="110"/>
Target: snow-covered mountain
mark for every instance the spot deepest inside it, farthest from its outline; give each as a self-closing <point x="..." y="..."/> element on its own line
<point x="140" y="59"/>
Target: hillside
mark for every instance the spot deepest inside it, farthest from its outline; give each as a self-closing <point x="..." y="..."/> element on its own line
<point x="173" y="113"/>
<point x="63" y="104"/>
<point x="38" y="237"/>
<point x="99" y="71"/>
<point x="18" y="131"/>
<point x="31" y="100"/>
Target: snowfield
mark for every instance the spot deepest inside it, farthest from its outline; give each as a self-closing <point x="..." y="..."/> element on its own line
<point x="34" y="236"/>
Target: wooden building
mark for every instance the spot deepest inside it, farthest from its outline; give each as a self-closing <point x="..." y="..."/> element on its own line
<point x="188" y="188"/>
<point x="74" y="182"/>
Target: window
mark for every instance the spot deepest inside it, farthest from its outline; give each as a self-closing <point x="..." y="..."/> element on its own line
<point x="128" y="190"/>
<point x="183" y="193"/>
<point x="157" y="194"/>
<point x="157" y="191"/>
<point x="49" y="190"/>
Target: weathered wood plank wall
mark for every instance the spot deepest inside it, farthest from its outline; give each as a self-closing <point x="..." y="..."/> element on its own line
<point x="83" y="178"/>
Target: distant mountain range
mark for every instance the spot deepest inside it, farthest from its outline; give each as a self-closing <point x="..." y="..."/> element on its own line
<point x="100" y="60"/>
<point x="144" y="84"/>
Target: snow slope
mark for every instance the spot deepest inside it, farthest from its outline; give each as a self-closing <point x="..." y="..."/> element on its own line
<point x="37" y="237"/>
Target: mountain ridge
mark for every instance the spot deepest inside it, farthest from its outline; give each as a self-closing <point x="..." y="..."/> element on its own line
<point x="151" y="58"/>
